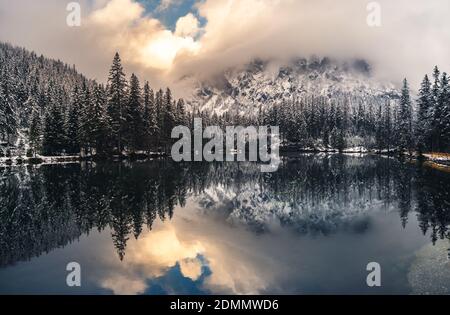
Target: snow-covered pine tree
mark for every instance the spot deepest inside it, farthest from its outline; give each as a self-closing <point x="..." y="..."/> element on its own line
<point x="379" y="133"/>
<point x="53" y="135"/>
<point x="169" y="117"/>
<point x="387" y="126"/>
<point x="35" y="132"/>
<point x="405" y="120"/>
<point x="181" y="117"/>
<point x="8" y="106"/>
<point x="117" y="101"/>
<point x="86" y="119"/>
<point x="423" y="123"/>
<point x="434" y="115"/>
<point x="133" y="115"/>
<point x="150" y="125"/>
<point x="442" y="114"/>
<point x="99" y="122"/>
<point x="73" y="123"/>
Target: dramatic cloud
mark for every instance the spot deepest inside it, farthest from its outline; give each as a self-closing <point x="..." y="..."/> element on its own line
<point x="412" y="37"/>
<point x="187" y="26"/>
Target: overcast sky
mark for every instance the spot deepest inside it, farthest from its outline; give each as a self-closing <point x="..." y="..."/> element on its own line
<point x="163" y="40"/>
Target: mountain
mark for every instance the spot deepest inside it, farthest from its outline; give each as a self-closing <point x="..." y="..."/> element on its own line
<point x="264" y="83"/>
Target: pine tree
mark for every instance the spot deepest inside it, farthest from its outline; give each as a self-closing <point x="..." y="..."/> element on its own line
<point x="150" y="125"/>
<point x="53" y="135"/>
<point x="387" y="127"/>
<point x="405" y="120"/>
<point x="168" y="116"/>
<point x="181" y="118"/>
<point x="99" y="124"/>
<point x="73" y="123"/>
<point x="159" y="101"/>
<point x="35" y="132"/>
<point x="8" y="106"/>
<point x="133" y="115"/>
<point x="442" y="114"/>
<point x="117" y="101"/>
<point x="379" y="137"/>
<point x="86" y="123"/>
<point x="434" y="115"/>
<point x="423" y="125"/>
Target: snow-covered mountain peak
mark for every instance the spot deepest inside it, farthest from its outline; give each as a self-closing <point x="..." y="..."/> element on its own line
<point x="260" y="84"/>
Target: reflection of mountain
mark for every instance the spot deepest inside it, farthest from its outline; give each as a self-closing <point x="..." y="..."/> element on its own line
<point x="48" y="207"/>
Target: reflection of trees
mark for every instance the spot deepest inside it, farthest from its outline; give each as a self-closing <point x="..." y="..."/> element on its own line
<point x="48" y="207"/>
<point x="433" y="203"/>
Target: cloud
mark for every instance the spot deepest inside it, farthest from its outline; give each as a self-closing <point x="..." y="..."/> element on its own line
<point x="166" y="4"/>
<point x="411" y="40"/>
<point x="187" y="26"/>
<point x="151" y="257"/>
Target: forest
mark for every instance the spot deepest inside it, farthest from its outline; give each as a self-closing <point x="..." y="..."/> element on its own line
<point x="53" y="110"/>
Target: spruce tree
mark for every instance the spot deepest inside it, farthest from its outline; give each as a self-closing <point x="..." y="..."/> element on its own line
<point x="117" y="102"/>
<point x="405" y="120"/>
<point x="99" y="124"/>
<point x="169" y="117"/>
<point x="73" y="123"/>
<point x="35" y="132"/>
<point x="133" y="117"/>
<point x="53" y="135"/>
<point x="434" y="115"/>
<point x="150" y="125"/>
<point x="86" y="117"/>
<point x="159" y="100"/>
<point x="8" y="106"/>
<point x="423" y="124"/>
<point x="442" y="114"/>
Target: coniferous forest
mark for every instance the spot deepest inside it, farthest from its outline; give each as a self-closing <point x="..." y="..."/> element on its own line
<point x="60" y="112"/>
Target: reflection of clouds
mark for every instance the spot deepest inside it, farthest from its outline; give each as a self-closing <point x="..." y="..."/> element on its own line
<point x="150" y="257"/>
<point x="191" y="268"/>
<point x="229" y="254"/>
<point x="240" y="261"/>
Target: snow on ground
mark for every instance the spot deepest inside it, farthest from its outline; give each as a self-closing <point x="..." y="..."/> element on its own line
<point x="438" y="157"/>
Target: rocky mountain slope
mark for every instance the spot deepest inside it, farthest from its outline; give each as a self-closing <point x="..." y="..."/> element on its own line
<point x="264" y="83"/>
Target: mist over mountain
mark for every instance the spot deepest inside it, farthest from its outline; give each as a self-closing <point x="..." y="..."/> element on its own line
<point x="263" y="84"/>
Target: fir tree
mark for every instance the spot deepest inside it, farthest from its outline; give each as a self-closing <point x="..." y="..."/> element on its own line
<point x="150" y="128"/>
<point x="405" y="120"/>
<point x="442" y="114"/>
<point x="8" y="104"/>
<point x="35" y="132"/>
<point x="73" y="123"/>
<point x="53" y="135"/>
<point x="117" y="101"/>
<point x="133" y="117"/>
<point x="423" y="125"/>
<point x="99" y="124"/>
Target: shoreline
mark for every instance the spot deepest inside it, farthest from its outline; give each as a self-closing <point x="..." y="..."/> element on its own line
<point x="439" y="161"/>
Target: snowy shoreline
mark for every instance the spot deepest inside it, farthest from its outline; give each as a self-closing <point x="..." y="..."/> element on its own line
<point x="439" y="161"/>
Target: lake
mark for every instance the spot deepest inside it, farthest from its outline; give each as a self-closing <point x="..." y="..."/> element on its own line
<point x="160" y="227"/>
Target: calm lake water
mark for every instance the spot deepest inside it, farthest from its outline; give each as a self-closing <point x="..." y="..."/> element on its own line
<point x="165" y="228"/>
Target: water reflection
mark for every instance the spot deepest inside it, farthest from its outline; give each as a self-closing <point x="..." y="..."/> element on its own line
<point x="222" y="227"/>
